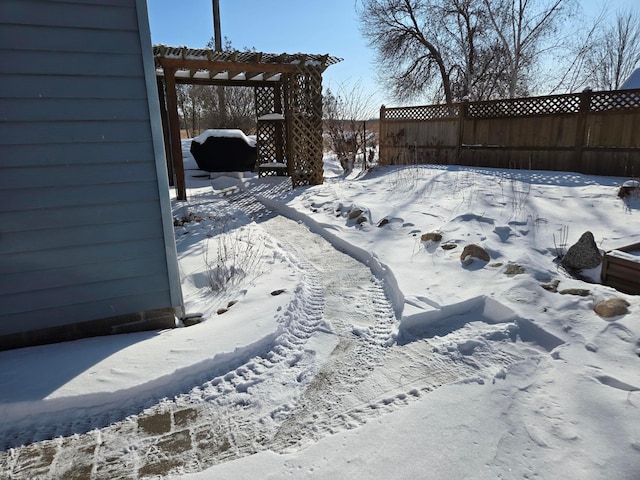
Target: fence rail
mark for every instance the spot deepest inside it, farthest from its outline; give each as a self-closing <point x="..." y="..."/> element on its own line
<point x="594" y="133"/>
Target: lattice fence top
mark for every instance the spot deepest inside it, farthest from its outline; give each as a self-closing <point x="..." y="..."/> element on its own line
<point x="616" y="100"/>
<point x="426" y="112"/>
<point x="521" y="107"/>
<point x="525" y="107"/>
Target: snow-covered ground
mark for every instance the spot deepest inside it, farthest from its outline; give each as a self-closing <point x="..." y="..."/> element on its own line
<point x="351" y="348"/>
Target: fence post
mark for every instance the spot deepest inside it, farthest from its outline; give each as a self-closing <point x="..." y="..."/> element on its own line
<point x="382" y="135"/>
<point x="462" y="114"/>
<point x="364" y="145"/>
<point x="581" y="128"/>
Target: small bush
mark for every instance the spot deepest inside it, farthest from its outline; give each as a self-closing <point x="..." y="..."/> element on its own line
<point x="560" y="246"/>
<point x="237" y="258"/>
<point x="630" y="189"/>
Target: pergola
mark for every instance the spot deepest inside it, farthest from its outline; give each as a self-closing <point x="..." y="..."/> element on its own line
<point x="288" y="101"/>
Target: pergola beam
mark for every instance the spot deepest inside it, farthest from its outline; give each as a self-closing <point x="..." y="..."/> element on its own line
<point x="234" y="68"/>
<point x="225" y="82"/>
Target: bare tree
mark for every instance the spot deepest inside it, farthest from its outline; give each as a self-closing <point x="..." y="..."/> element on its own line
<point x="475" y="71"/>
<point x="426" y="43"/>
<point x="615" y="54"/>
<point x="200" y="108"/>
<point x="182" y="94"/>
<point x="572" y="62"/>
<point x="526" y="30"/>
<point x="479" y="49"/>
<point x="238" y="110"/>
<point x="344" y="115"/>
<point x="203" y="106"/>
<point x="192" y="106"/>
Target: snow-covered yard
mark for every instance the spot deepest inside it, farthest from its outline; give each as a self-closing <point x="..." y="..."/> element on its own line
<point x="347" y="346"/>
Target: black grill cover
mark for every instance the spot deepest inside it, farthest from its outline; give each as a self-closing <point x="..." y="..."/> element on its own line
<point x="219" y="153"/>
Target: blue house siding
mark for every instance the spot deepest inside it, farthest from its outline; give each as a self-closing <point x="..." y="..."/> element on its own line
<point x="85" y="222"/>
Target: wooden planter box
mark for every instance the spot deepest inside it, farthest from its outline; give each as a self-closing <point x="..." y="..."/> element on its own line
<point x="621" y="269"/>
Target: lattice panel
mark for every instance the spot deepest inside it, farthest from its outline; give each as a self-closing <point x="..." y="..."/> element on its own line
<point x="524" y="107"/>
<point x="271" y="135"/>
<point x="271" y="142"/>
<point x="265" y="100"/>
<point x="305" y="102"/>
<point x="265" y="140"/>
<point x="620" y="99"/>
<point x="427" y="112"/>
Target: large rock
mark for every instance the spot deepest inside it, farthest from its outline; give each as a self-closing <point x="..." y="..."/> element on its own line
<point x="612" y="307"/>
<point x="431" y="237"/>
<point x="355" y="213"/>
<point x="584" y="255"/>
<point x="472" y="251"/>
<point x="514" y="269"/>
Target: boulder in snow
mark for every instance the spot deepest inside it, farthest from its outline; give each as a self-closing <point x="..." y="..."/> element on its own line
<point x="355" y="213"/>
<point x="431" y="237"/>
<point x="473" y="251"/>
<point x="584" y="255"/>
<point x="514" y="269"/>
<point x="612" y="307"/>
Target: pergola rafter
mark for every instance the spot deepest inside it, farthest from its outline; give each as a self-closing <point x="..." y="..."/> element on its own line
<point x="286" y="84"/>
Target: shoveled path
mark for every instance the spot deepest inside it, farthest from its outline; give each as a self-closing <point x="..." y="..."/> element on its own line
<point x="337" y="331"/>
<point x="334" y="366"/>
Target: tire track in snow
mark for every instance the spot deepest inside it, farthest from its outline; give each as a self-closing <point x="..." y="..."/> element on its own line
<point x="338" y="294"/>
<point x="362" y="319"/>
<point x="367" y="374"/>
<point x="239" y="402"/>
<point x="335" y="356"/>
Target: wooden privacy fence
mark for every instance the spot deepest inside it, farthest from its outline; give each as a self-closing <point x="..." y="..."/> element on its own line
<point x="596" y="133"/>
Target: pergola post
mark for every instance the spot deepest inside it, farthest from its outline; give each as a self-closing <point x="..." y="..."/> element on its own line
<point x="305" y="112"/>
<point x="174" y="129"/>
<point x="166" y="134"/>
<point x="277" y="107"/>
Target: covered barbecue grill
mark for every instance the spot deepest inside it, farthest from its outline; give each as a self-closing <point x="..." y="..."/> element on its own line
<point x="224" y="150"/>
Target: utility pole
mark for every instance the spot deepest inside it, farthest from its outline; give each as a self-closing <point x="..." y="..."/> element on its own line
<point x="217" y="41"/>
<point x="217" y="37"/>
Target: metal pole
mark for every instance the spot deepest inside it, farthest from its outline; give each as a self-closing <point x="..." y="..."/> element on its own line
<point x="217" y="37"/>
<point x="217" y="40"/>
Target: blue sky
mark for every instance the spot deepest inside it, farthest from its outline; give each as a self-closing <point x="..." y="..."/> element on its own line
<point x="279" y="26"/>
<point x="289" y="26"/>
